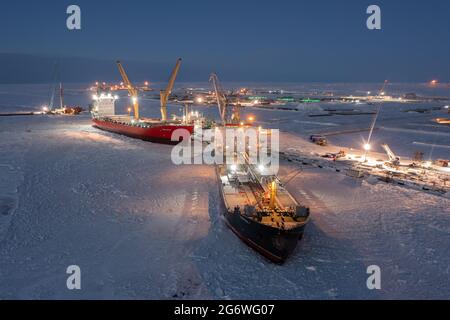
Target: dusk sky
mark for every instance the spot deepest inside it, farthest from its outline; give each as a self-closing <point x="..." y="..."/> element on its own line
<point x="307" y="41"/>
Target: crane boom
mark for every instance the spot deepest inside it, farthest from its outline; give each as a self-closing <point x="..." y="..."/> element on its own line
<point x="220" y="96"/>
<point x="131" y="89"/>
<point x="392" y="157"/>
<point x="164" y="94"/>
<point x="383" y="87"/>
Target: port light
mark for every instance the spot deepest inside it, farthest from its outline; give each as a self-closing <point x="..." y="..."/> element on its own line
<point x="367" y="147"/>
<point x="261" y="168"/>
<point x="233" y="167"/>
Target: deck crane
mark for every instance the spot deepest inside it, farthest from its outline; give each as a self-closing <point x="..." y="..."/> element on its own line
<point x="222" y="103"/>
<point x="133" y="91"/>
<point x="164" y="94"/>
<point x="393" y="159"/>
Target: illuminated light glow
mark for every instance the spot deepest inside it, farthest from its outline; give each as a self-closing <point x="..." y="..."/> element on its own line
<point x="433" y="82"/>
<point x="367" y="147"/>
<point x="199" y="100"/>
<point x="241" y="123"/>
<point x="95" y="97"/>
<point x="233" y="167"/>
<point x="45" y="108"/>
<point x="134" y="99"/>
<point x="251" y="118"/>
<point x="261" y="168"/>
<point x="368" y="92"/>
<point x="116" y="97"/>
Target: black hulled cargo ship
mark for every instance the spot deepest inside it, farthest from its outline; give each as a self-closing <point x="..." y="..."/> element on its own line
<point x="261" y="212"/>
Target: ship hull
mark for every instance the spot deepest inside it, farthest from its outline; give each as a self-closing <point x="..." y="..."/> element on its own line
<point x="158" y="133"/>
<point x="275" y="244"/>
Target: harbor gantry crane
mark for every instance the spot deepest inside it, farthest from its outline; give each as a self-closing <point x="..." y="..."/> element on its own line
<point x="164" y="94"/>
<point x="393" y="159"/>
<point x="222" y="103"/>
<point x="220" y="96"/>
<point x="133" y="91"/>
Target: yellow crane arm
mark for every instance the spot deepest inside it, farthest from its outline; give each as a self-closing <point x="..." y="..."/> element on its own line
<point x="164" y="94"/>
<point x="131" y="89"/>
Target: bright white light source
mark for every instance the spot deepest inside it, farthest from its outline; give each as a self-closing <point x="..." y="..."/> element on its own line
<point x="261" y="168"/>
<point x="116" y="97"/>
<point x="199" y="100"/>
<point x="367" y="147"/>
<point x="233" y="167"/>
<point x="45" y="108"/>
<point x="134" y="99"/>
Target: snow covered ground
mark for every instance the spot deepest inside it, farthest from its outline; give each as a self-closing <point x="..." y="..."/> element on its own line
<point x="140" y="227"/>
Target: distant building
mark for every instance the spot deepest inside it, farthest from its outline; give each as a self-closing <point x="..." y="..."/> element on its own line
<point x="410" y="96"/>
